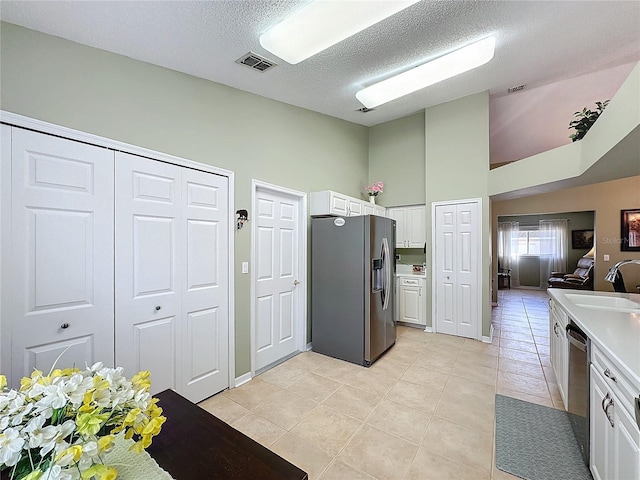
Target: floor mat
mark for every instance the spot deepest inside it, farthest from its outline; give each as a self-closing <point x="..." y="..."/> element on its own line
<point x="536" y="443"/>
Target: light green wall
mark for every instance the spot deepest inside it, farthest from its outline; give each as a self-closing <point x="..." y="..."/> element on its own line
<point x="396" y="157"/>
<point x="113" y="96"/>
<point x="411" y="256"/>
<point x="457" y="165"/>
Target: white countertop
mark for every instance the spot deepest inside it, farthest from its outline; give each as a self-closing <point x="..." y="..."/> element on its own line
<point x="617" y="334"/>
<point x="407" y="271"/>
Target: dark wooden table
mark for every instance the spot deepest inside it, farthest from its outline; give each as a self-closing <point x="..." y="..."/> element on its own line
<point x="195" y="445"/>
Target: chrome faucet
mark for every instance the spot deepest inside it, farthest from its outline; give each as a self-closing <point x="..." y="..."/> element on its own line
<point x="615" y="277"/>
<point x="613" y="271"/>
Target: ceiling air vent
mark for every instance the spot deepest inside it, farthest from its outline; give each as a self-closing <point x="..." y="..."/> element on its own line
<point x="365" y="110"/>
<point x="515" y="89"/>
<point x="256" y="62"/>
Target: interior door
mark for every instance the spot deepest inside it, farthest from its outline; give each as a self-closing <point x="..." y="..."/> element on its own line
<point x="172" y="308"/>
<point x="277" y="233"/>
<point x="61" y="261"/>
<point x="456" y="266"/>
<point x="204" y="322"/>
<point x="444" y="267"/>
<point x="148" y="256"/>
<point x="467" y="269"/>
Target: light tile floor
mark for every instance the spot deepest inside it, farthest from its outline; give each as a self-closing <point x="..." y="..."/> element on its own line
<point x="423" y="411"/>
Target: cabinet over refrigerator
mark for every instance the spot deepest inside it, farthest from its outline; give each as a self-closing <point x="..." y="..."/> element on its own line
<point x="352" y="292"/>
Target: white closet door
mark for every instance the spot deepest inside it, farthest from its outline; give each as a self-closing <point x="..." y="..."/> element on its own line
<point x="172" y="307"/>
<point x="148" y="257"/>
<point x="467" y="269"/>
<point x="204" y="324"/>
<point x="445" y="246"/>
<point x="456" y="268"/>
<point x="61" y="253"/>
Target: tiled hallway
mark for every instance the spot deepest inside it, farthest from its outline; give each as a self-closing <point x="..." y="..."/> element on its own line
<point x="424" y="411"/>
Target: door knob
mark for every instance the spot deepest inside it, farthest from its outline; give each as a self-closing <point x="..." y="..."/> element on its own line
<point x="296" y="282"/>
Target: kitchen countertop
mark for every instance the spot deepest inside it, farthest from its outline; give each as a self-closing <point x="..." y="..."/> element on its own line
<point x="407" y="271"/>
<point x="617" y="334"/>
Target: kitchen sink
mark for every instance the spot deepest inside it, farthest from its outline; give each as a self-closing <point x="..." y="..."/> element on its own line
<point x="602" y="302"/>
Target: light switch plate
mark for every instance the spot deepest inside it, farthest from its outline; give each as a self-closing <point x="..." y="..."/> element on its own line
<point x="606" y="258"/>
<point x="245" y="267"/>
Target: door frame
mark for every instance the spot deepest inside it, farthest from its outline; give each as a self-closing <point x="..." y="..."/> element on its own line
<point x="301" y="340"/>
<point x="15" y="120"/>
<point x="478" y="202"/>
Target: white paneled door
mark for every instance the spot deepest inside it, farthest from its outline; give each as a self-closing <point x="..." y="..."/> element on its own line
<point x="205" y="286"/>
<point x="171" y="265"/>
<point x="277" y="276"/>
<point x="456" y="269"/>
<point x="61" y="227"/>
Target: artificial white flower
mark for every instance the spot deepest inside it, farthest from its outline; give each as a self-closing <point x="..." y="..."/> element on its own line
<point x="10" y="446"/>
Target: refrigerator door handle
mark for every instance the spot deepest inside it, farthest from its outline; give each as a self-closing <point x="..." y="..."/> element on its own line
<point x="387" y="273"/>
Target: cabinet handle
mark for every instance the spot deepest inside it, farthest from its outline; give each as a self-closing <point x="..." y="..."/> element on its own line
<point x="64" y="325"/>
<point x="555" y="328"/>
<point x="605" y="408"/>
<point x="607" y="373"/>
<point x="420" y="292"/>
<point x="158" y="308"/>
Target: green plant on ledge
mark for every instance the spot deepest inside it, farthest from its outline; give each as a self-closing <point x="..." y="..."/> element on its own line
<point x="585" y="119"/>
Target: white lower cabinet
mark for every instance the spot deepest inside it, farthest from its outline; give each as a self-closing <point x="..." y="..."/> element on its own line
<point x="614" y="434"/>
<point x="410" y="300"/>
<point x="559" y="348"/>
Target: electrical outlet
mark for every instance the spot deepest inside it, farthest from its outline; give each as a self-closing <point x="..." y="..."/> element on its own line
<point x="606" y="258"/>
<point x="245" y="267"/>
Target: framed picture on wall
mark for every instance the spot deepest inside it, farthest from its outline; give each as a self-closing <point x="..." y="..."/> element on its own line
<point x="581" y="239"/>
<point x="630" y="230"/>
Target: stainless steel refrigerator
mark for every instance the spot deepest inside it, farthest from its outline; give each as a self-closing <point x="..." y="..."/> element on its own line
<point x="352" y="287"/>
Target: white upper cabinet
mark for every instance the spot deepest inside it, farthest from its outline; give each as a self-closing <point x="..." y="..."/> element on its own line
<point x="410" y="225"/>
<point x="328" y="202"/>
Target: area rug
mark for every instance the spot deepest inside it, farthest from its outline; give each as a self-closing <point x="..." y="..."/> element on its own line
<point x="536" y="443"/>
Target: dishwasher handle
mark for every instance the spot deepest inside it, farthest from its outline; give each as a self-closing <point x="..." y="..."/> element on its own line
<point x="576" y="337"/>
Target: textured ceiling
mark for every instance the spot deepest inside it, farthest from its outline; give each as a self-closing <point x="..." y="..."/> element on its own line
<point x="538" y="43"/>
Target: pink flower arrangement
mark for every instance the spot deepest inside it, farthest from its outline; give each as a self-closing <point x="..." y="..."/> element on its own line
<point x="374" y="189"/>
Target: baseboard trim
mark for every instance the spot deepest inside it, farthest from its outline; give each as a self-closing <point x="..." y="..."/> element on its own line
<point x="309" y="346"/>
<point x="428" y="329"/>
<point x="488" y="339"/>
<point x="242" y="379"/>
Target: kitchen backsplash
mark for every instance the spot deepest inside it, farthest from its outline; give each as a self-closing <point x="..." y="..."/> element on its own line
<point x="410" y="256"/>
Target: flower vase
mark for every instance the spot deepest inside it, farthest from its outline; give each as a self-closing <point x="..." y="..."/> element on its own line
<point x="372" y="199"/>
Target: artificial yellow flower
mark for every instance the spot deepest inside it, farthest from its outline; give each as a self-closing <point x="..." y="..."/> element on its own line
<point x="110" y="474"/>
<point x="27" y="382"/>
<point x="105" y="443"/>
<point x="90" y="423"/>
<point x="35" y="475"/>
<point x="137" y="447"/>
<point x="101" y="472"/>
<point x="142" y="379"/>
<point x="154" y="425"/>
<point x="3" y="382"/>
<point x="69" y="455"/>
<point x="100" y="383"/>
<point x="132" y="415"/>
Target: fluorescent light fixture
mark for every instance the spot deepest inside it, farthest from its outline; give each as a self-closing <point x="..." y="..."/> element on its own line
<point x="323" y="23"/>
<point x="447" y="66"/>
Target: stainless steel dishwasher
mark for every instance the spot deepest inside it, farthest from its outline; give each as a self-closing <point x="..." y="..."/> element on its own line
<point x="578" y="386"/>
